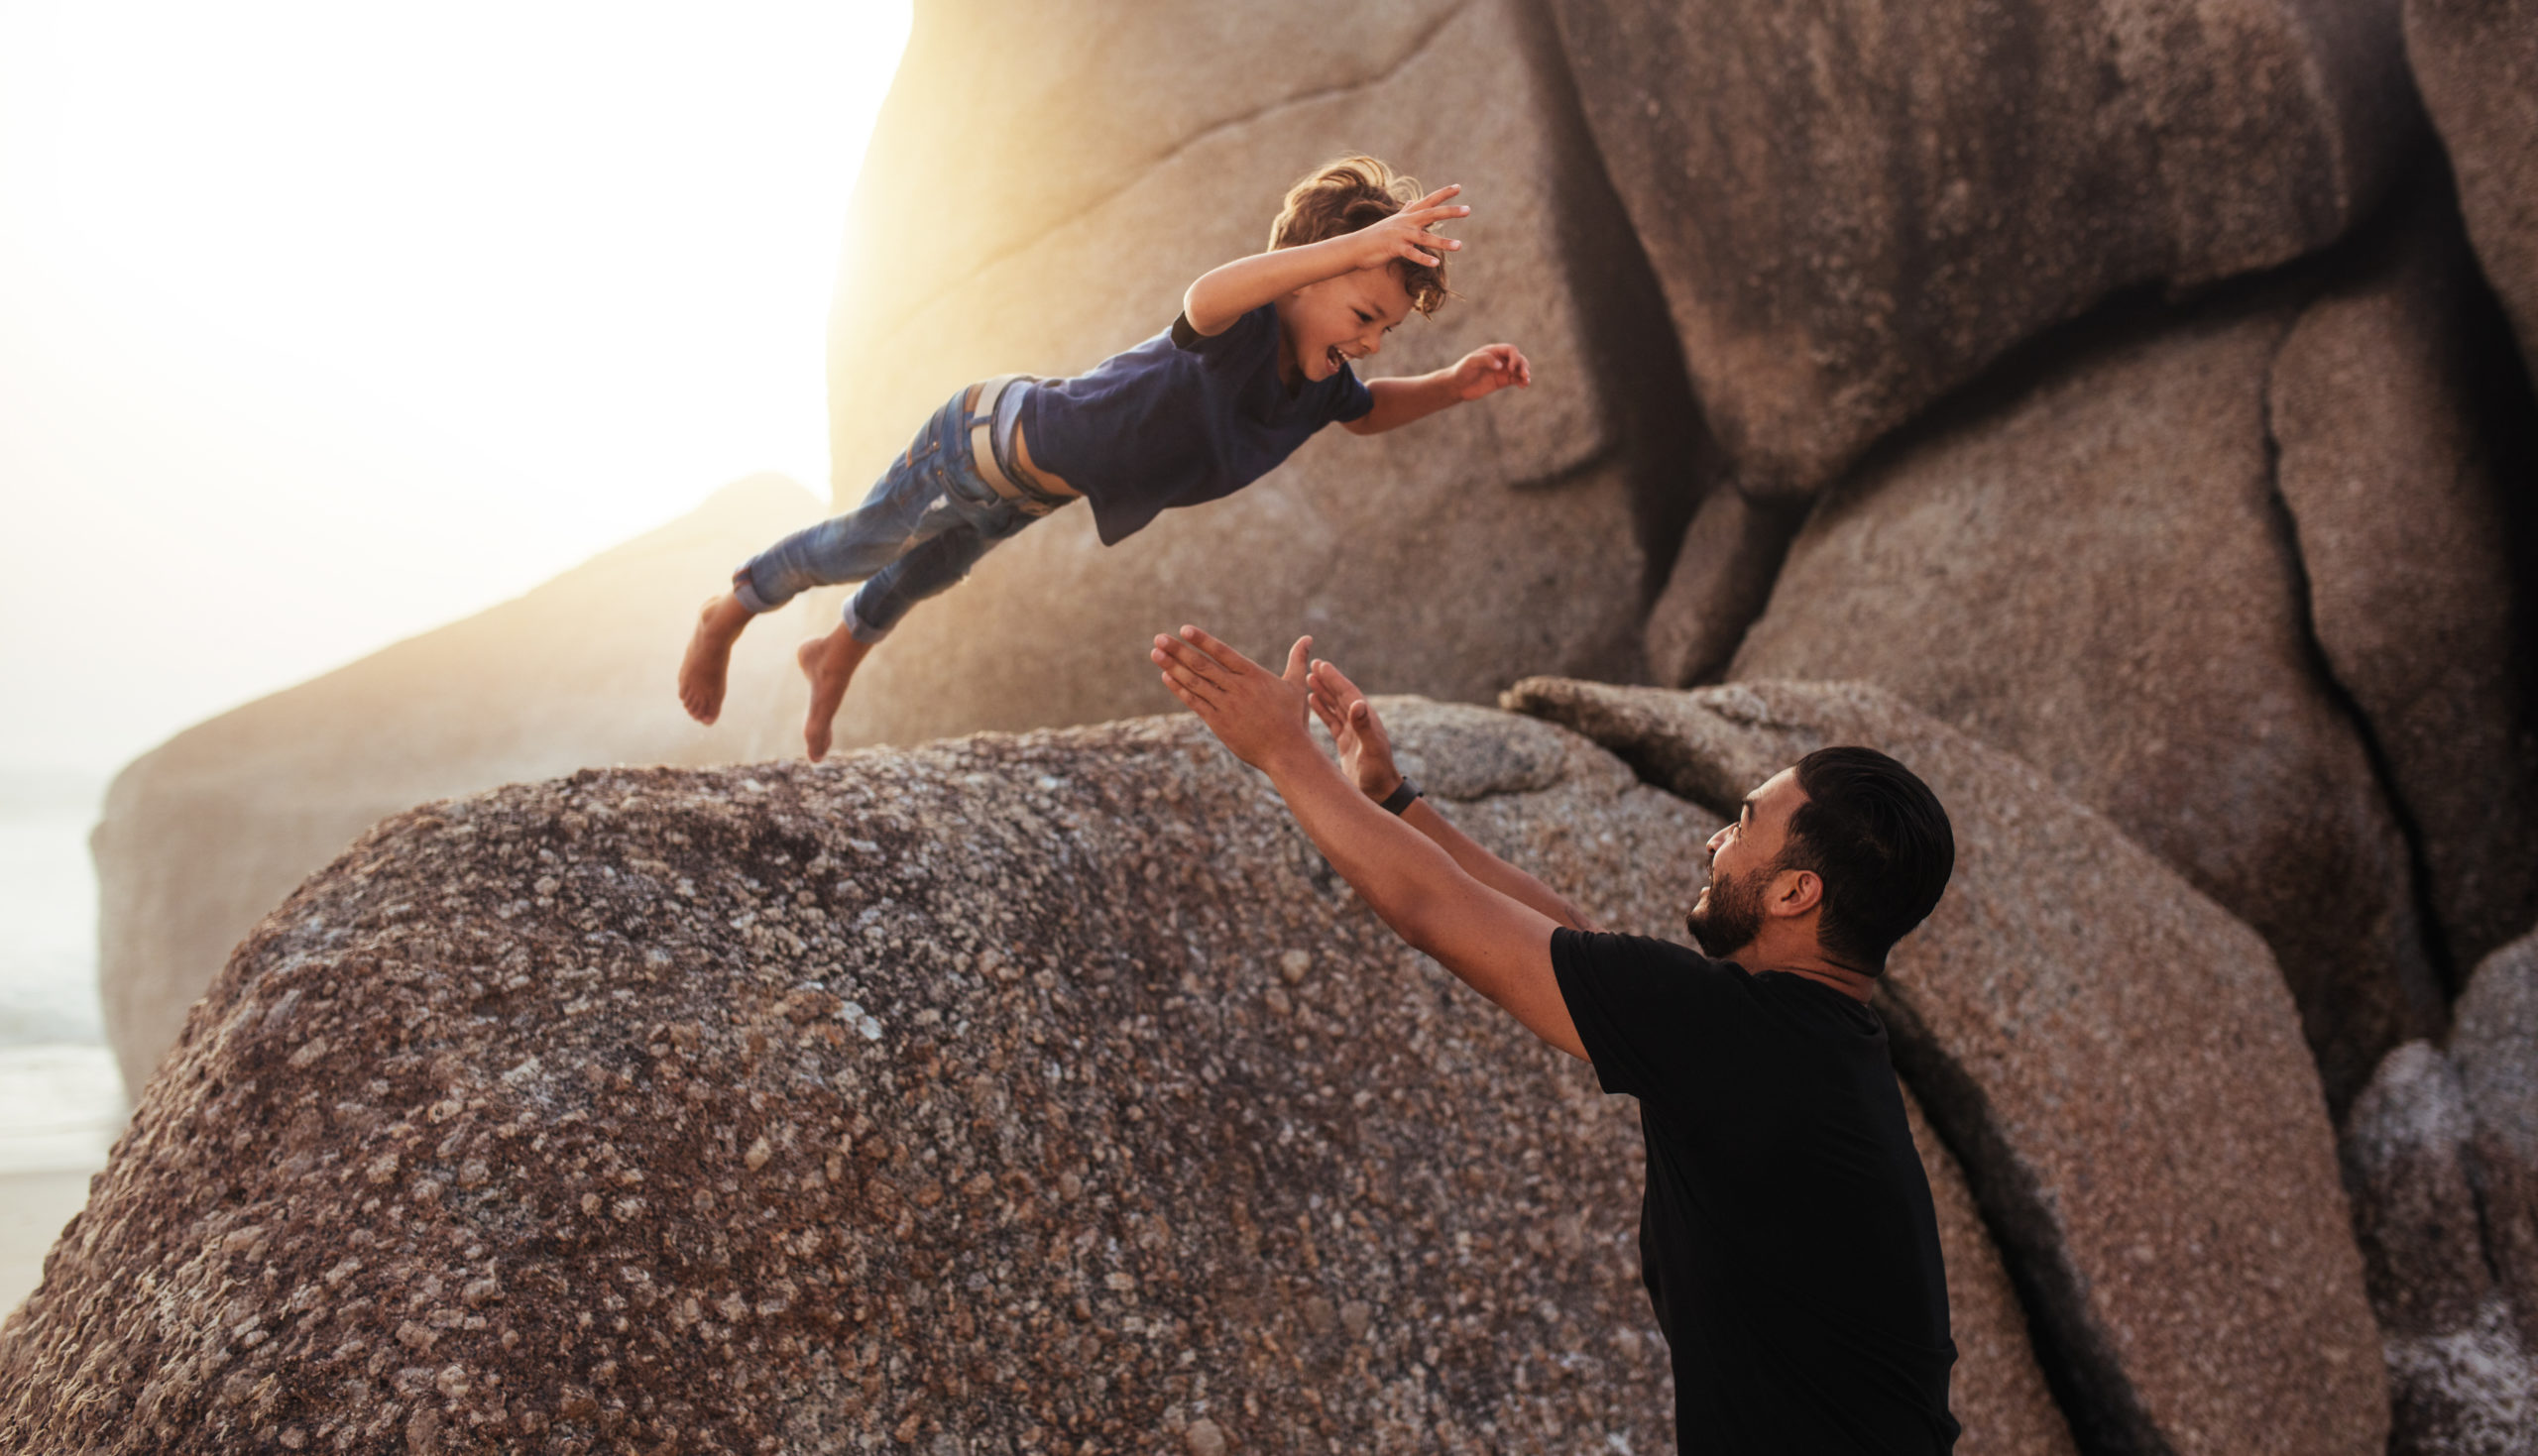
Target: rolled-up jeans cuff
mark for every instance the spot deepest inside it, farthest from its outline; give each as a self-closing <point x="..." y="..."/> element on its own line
<point x="861" y="630"/>
<point x="745" y="591"/>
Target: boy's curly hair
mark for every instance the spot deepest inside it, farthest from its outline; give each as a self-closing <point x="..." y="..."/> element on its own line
<point x="1342" y="197"/>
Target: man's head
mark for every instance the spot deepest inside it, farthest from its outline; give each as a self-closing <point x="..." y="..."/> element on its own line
<point x="1847" y="848"/>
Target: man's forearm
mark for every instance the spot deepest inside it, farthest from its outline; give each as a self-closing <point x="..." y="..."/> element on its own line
<point x="1491" y="870"/>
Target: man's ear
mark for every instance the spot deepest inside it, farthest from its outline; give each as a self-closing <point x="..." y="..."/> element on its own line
<point x="1794" y="892"/>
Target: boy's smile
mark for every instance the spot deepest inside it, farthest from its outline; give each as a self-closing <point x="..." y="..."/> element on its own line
<point x="1323" y="326"/>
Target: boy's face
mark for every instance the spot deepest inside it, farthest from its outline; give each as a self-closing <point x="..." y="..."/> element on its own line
<point x="1324" y="325"/>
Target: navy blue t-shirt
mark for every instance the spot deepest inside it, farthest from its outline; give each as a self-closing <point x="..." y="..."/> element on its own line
<point x="1786" y="1235"/>
<point x="1182" y="418"/>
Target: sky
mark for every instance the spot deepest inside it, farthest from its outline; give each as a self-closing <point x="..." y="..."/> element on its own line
<point x="324" y="324"/>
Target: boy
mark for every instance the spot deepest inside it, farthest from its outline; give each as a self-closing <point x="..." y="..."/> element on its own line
<point x="1258" y="361"/>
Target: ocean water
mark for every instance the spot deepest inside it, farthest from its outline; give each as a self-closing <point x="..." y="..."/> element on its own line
<point x="62" y="1101"/>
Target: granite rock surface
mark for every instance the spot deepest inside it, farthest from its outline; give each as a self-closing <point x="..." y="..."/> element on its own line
<point x="2417" y="558"/>
<point x="2475" y="62"/>
<point x="2117" y="1067"/>
<point x="1854" y="206"/>
<point x="1997" y="1392"/>
<point x="2093" y="570"/>
<point x="2460" y="1379"/>
<point x="2494" y="1042"/>
<point x="1044" y="1092"/>
<point x="204" y="833"/>
<point x="1521" y="534"/>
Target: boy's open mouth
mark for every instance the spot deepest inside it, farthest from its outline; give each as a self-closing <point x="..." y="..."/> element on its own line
<point x="1339" y="361"/>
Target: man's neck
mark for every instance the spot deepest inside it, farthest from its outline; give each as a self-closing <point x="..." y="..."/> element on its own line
<point x="1808" y="961"/>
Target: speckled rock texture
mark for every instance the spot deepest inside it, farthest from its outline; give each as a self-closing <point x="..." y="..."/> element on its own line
<point x="1034" y="1094"/>
<point x="1108" y="154"/>
<point x="204" y="833"/>
<point x="2494" y="1043"/>
<point x="2419" y="560"/>
<point x="2476" y="62"/>
<point x="2093" y="570"/>
<point x="1854" y="205"/>
<point x="2117" y="1067"/>
<point x="1997" y="1392"/>
<point x="2459" y="1379"/>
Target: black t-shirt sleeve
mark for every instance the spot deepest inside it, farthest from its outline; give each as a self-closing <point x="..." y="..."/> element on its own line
<point x="1352" y="397"/>
<point x="1644" y="1008"/>
<point x="1234" y="336"/>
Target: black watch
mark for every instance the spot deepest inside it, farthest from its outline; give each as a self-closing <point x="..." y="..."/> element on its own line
<point x="1399" y="799"/>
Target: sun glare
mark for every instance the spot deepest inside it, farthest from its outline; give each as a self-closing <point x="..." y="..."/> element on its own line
<point x="400" y="309"/>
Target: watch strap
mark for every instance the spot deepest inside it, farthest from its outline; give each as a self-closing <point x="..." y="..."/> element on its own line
<point x="1402" y="795"/>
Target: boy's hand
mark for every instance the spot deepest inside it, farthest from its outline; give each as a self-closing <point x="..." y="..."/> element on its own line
<point x="1258" y="715"/>
<point x="1365" y="750"/>
<point x="1490" y="368"/>
<point x="1405" y="235"/>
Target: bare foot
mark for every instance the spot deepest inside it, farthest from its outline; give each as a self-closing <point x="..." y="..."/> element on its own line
<point x="830" y="663"/>
<point x="709" y="656"/>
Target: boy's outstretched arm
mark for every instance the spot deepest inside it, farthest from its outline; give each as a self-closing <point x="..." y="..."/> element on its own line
<point x="1499" y="946"/>
<point x="1227" y="292"/>
<point x="1484" y="371"/>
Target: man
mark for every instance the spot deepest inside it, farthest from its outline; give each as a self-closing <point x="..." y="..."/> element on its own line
<point x="1786" y="1236"/>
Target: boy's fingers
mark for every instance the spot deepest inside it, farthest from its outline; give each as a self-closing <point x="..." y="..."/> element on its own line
<point x="1439" y="195"/>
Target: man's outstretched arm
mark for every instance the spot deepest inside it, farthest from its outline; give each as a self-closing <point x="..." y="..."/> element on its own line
<point x="1366" y="755"/>
<point x="1498" y="945"/>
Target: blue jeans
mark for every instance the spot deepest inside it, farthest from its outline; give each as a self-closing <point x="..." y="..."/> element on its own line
<point x="927" y="520"/>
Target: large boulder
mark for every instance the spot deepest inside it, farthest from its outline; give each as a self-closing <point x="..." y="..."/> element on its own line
<point x="2477" y="63"/>
<point x="1997" y="1392"/>
<point x="2416" y="560"/>
<point x="1016" y="1094"/>
<point x="2094" y="572"/>
<point x="2496" y="1044"/>
<point x="204" y="834"/>
<point x="2459" y="1380"/>
<point x="2115" y="1061"/>
<point x="1853" y="207"/>
<point x="1447" y="558"/>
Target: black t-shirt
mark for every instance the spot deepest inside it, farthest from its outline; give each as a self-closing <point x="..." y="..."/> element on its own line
<point x="1786" y="1235"/>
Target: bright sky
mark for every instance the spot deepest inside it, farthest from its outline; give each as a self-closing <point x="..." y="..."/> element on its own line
<point x="322" y="325"/>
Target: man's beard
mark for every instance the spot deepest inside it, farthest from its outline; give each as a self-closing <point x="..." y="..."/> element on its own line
<point x="1732" y="918"/>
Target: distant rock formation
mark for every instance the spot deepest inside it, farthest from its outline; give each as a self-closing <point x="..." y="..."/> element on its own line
<point x="1854" y="208"/>
<point x="2476" y="62"/>
<point x="2115" y="1061"/>
<point x="204" y="834"/>
<point x="1022" y="1090"/>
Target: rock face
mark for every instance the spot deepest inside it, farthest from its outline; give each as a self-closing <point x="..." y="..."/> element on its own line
<point x="1853" y="207"/>
<point x="1027" y="1092"/>
<point x="2117" y="1066"/>
<point x="2417" y="564"/>
<point x="1447" y="558"/>
<point x="2475" y="62"/>
<point x="1997" y="1393"/>
<point x="2460" y="1379"/>
<point x="2496" y="1044"/>
<point x="1721" y="582"/>
<point x="206" y="832"/>
<point x="2094" y="573"/>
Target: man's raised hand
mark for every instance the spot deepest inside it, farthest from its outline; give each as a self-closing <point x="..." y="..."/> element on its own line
<point x="1254" y="712"/>
<point x="1365" y="750"/>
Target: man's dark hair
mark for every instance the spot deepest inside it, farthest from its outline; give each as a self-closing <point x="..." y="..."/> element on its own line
<point x="1879" y="840"/>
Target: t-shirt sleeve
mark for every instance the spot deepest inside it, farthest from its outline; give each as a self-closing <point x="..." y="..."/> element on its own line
<point x="1351" y="400"/>
<point x="1237" y="335"/>
<point x="1645" y="1009"/>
